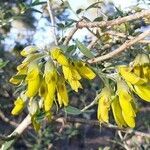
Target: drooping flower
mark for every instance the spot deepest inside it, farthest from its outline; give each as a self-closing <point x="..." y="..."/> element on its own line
<point x="43" y="89"/>
<point x="50" y="75"/>
<point x="137" y="76"/>
<point x="33" y="79"/>
<point x="19" y="106"/>
<point x="84" y="70"/>
<point x="143" y="91"/>
<point x="126" y="101"/>
<point x="73" y="77"/>
<point x="128" y="75"/>
<point x="28" y="50"/>
<point x="62" y="94"/>
<point x="57" y="55"/>
<point x="117" y="112"/>
<point x="20" y="75"/>
<point x="104" y="105"/>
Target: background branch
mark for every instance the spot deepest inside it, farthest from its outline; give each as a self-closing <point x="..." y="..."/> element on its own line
<point x="122" y="48"/>
<point x="118" y="34"/>
<point x="7" y="120"/>
<point x="17" y="132"/>
<point x="70" y="35"/>
<point x="49" y="7"/>
<point x="111" y="126"/>
<point x="111" y="23"/>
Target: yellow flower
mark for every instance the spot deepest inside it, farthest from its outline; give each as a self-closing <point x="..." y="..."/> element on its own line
<point x="59" y="56"/>
<point x="141" y="64"/>
<point x="51" y="80"/>
<point x="22" y="70"/>
<point x="13" y="80"/>
<point x="48" y="101"/>
<point x="84" y="70"/>
<point x="126" y="100"/>
<point x="129" y="76"/>
<point x="146" y="72"/>
<point x="19" y="106"/>
<point x="75" y="85"/>
<point x="62" y="94"/>
<point x="117" y="112"/>
<point x="137" y="76"/>
<point x="104" y="105"/>
<point x="33" y="79"/>
<point x="16" y="79"/>
<point x="28" y="50"/>
<point x="43" y="89"/>
<point x="143" y="91"/>
<point x="72" y="75"/>
<point x="141" y="60"/>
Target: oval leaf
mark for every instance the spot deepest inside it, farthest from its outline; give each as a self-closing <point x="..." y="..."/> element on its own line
<point x="84" y="49"/>
<point x="72" y="110"/>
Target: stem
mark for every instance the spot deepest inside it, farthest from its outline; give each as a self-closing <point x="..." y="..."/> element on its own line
<point x="91" y="104"/>
<point x="17" y="132"/>
<point x="70" y="35"/>
<point x="117" y="21"/>
<point x="111" y="126"/>
<point x="49" y="7"/>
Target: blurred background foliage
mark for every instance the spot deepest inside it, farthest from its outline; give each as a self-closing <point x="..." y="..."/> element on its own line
<point x="26" y="22"/>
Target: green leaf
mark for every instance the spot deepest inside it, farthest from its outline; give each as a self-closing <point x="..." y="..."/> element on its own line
<point x="94" y="5"/>
<point x="35" y="10"/>
<point x="98" y="19"/>
<point x="3" y="63"/>
<point x="60" y="25"/>
<point x="7" y="145"/>
<point x="72" y="110"/>
<point x="79" y="11"/>
<point x="37" y="2"/>
<point x="84" y="49"/>
<point x="40" y="115"/>
<point x="71" y="48"/>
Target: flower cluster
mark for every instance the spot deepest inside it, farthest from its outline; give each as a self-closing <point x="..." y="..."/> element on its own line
<point x="43" y="76"/>
<point x="122" y="104"/>
<point x="135" y="78"/>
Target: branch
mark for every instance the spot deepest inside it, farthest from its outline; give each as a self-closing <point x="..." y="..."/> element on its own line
<point x="122" y="48"/>
<point x="92" y="43"/>
<point x="111" y="126"/>
<point x="91" y="104"/>
<point x="70" y="35"/>
<point x="114" y="33"/>
<point x="17" y="132"/>
<point x="49" y="7"/>
<point x="5" y="119"/>
<point x="111" y="23"/>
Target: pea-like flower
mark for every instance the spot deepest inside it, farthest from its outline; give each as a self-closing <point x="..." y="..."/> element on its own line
<point x="50" y="75"/>
<point x="62" y="94"/>
<point x="33" y="79"/>
<point x="104" y="105"/>
<point x="84" y="70"/>
<point x="28" y="50"/>
<point x="19" y="106"/>
<point x="59" y="56"/>
<point x="126" y="103"/>
<point x="137" y="76"/>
